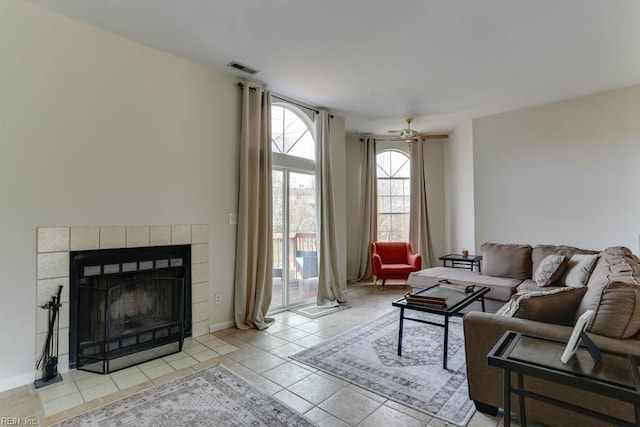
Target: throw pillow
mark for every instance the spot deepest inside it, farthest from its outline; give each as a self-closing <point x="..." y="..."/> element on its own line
<point x="558" y="306"/>
<point x="550" y="269"/>
<point x="506" y="260"/>
<point x="578" y="270"/>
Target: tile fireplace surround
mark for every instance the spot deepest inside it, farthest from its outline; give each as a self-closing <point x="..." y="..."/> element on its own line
<point x="55" y="243"/>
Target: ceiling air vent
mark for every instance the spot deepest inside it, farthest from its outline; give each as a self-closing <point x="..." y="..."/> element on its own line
<point x="242" y="67"/>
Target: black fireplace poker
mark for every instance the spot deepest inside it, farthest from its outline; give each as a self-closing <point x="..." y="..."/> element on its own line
<point x="48" y="360"/>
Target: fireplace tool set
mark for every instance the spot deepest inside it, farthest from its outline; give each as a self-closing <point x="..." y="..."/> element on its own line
<point x="48" y="360"/>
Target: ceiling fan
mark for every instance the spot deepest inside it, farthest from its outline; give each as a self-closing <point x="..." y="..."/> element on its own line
<point x="408" y="134"/>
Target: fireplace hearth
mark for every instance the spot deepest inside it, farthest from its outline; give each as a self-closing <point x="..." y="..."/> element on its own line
<point x="128" y="306"/>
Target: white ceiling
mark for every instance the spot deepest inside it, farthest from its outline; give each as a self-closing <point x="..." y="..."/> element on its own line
<point x="378" y="61"/>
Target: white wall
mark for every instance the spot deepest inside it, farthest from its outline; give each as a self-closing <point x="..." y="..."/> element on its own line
<point x="566" y="172"/>
<point x="97" y="130"/>
<point x="459" y="204"/>
<point x="435" y="195"/>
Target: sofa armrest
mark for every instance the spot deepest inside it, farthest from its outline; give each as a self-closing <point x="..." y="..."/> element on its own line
<point x="376" y="265"/>
<point x="483" y="330"/>
<point x="415" y="260"/>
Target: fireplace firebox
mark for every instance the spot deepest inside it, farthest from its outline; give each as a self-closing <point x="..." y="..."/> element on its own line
<point x="128" y="306"/>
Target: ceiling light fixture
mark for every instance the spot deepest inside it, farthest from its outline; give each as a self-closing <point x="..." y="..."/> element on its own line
<point x="408" y="134"/>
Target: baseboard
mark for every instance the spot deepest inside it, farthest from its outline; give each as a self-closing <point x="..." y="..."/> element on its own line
<point x="17" y="381"/>
<point x="220" y="326"/>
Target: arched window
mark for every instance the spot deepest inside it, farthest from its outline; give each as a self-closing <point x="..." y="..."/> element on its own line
<point x="295" y="254"/>
<point x="393" y="195"/>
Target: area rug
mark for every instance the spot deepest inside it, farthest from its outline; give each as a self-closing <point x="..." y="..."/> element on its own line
<point x="367" y="356"/>
<point x="313" y="311"/>
<point x="211" y="397"/>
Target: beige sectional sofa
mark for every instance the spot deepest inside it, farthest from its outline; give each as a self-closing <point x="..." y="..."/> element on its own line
<point x="611" y="288"/>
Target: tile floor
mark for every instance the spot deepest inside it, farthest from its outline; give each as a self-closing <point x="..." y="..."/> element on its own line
<point x="260" y="357"/>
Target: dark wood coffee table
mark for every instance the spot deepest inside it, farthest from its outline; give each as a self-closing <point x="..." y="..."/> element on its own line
<point x="456" y="301"/>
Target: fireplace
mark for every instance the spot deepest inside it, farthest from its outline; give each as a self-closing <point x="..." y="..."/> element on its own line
<point x="128" y="306"/>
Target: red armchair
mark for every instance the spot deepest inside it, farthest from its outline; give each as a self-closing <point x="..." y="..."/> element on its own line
<point x="394" y="260"/>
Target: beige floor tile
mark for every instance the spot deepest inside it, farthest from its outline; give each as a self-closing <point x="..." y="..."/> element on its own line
<point x="214" y="342"/>
<point x="324" y="419"/>
<point x="158" y="370"/>
<point x="286" y="350"/>
<point x="315" y="388"/>
<point x="62" y="404"/>
<point x="130" y="380"/>
<point x="286" y="374"/>
<point x="246" y="351"/>
<point x="409" y="411"/>
<point x="349" y="406"/>
<point x="367" y="393"/>
<point x="385" y="416"/>
<point x="56" y="391"/>
<point x="98" y="391"/>
<point x="152" y="363"/>
<point x="333" y="378"/>
<point x="194" y="347"/>
<point x="225" y="349"/>
<point x="269" y="342"/>
<point x="293" y="401"/>
<point x="291" y="334"/>
<point x="277" y="327"/>
<point x="205" y="355"/>
<point x="480" y="419"/>
<point x="175" y="356"/>
<point x="183" y="363"/>
<point x="310" y="341"/>
<point x="94" y="380"/>
<point x="262" y="362"/>
<point x="125" y="372"/>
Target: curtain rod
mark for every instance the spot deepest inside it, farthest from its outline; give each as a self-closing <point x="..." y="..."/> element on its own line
<point x="398" y="139"/>
<point x="289" y="100"/>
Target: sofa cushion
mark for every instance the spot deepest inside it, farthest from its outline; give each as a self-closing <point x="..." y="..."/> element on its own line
<point x="540" y="252"/>
<point x="506" y="260"/>
<point x="613" y="293"/>
<point x="501" y="288"/>
<point x="578" y="270"/>
<point x="550" y="269"/>
<point x="557" y="306"/>
<point x="397" y="268"/>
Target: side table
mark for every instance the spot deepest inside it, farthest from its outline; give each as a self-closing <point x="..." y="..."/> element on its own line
<point x="617" y="376"/>
<point x="460" y="261"/>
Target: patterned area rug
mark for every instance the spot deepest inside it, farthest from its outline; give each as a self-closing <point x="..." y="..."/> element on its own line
<point x="367" y="356"/>
<point x="211" y="397"/>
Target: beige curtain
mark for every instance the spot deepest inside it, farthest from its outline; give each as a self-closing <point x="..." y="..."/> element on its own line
<point x="329" y="290"/>
<point x="253" y="279"/>
<point x="419" y="235"/>
<point x="369" y="224"/>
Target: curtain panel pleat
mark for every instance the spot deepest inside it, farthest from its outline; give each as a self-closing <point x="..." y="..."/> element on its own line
<point x="329" y="287"/>
<point x="254" y="251"/>
<point x="369" y="224"/>
<point x="419" y="234"/>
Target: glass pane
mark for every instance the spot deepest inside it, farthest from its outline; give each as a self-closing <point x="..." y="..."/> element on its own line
<point x="393" y="195"/>
<point x="290" y="134"/>
<point x="277" y="294"/>
<point x="303" y="252"/>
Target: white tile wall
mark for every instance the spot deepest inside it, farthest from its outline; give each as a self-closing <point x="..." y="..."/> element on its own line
<point x="53" y="239"/>
<point x="54" y="244"/>
<point x="159" y="235"/>
<point x="85" y="238"/>
<point x="200" y="233"/>
<point x="180" y="234"/>
<point x="199" y="253"/>
<point x="137" y="236"/>
<point x="112" y="237"/>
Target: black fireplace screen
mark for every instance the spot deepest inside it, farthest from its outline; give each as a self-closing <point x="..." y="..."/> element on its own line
<point x="128" y="311"/>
